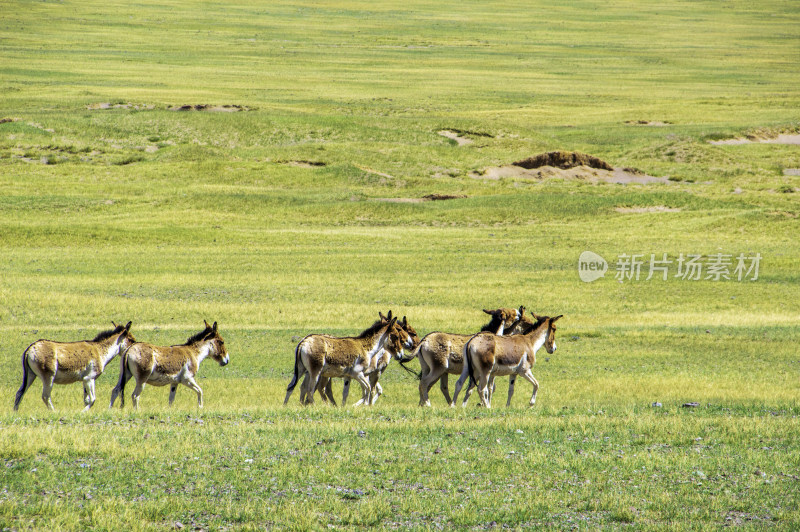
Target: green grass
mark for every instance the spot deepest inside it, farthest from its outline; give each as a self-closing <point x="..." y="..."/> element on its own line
<point x="167" y="218"/>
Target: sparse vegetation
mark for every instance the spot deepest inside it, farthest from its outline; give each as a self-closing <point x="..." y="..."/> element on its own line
<point x="263" y="219"/>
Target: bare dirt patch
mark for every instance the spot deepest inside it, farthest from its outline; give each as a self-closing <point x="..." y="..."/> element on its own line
<point x="427" y="197"/>
<point x="399" y="200"/>
<point x="304" y="164"/>
<point x="563" y="160"/>
<point x="374" y="172"/>
<point x="651" y="123"/>
<point x="443" y="197"/>
<point x="791" y="171"/>
<point x="462" y="141"/>
<point x="210" y="108"/>
<point x="760" y="138"/>
<point x="640" y="210"/>
<point x="107" y="105"/>
<point x="461" y="136"/>
<point x="567" y="165"/>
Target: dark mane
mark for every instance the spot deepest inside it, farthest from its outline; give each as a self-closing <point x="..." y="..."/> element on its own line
<point x="108" y="334"/>
<point x="535" y="325"/>
<point x="374" y="328"/>
<point x="492" y="326"/>
<point x="199" y="336"/>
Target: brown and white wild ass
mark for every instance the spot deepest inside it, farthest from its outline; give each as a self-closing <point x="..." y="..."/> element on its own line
<point x="68" y="362"/>
<point x="487" y="355"/>
<point x="441" y="354"/>
<point x="394" y="349"/>
<point x="173" y="365"/>
<point x="321" y="355"/>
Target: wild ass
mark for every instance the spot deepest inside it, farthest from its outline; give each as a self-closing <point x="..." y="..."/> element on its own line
<point x="487" y="355"/>
<point x="321" y="355"/>
<point x="324" y="385"/>
<point x="173" y="365"/>
<point x="441" y="354"/>
<point x="381" y="362"/>
<point x="68" y="362"/>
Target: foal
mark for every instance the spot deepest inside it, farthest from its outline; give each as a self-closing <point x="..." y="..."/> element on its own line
<point x="178" y="364"/>
<point x="68" y="362"/>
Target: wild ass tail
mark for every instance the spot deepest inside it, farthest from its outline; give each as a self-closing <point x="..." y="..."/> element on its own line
<point x="414" y="354"/>
<point x="27" y="373"/>
<point x="296" y="375"/>
<point x="124" y="376"/>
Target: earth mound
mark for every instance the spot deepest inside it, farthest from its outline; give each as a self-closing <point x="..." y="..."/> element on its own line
<point x="564" y="160"/>
<point x="567" y="165"/>
<point x="210" y="108"/>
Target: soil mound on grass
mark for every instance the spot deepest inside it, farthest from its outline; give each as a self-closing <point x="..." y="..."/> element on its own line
<point x="443" y="197"/>
<point x="568" y="165"/>
<point x="563" y="160"/>
<point x="763" y="136"/>
<point x="210" y="108"/>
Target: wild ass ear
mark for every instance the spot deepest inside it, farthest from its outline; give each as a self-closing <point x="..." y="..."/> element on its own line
<point x="489" y="312"/>
<point x="553" y="320"/>
<point x="206" y="324"/>
<point x="128" y="326"/>
<point x="405" y="322"/>
<point x="382" y="317"/>
<point x="535" y="316"/>
<point x="114" y="324"/>
<point x="214" y="328"/>
<point x="389" y="316"/>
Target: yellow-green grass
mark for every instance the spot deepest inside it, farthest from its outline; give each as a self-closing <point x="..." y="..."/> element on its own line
<point x="167" y="218"/>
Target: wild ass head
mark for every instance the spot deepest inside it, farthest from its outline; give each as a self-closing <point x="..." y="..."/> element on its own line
<point x="550" y="334"/>
<point x="125" y="338"/>
<point x="401" y="335"/>
<point x="502" y="319"/>
<point x="216" y="345"/>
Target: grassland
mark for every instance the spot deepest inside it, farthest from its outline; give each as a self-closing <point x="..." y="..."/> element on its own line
<point x="115" y="207"/>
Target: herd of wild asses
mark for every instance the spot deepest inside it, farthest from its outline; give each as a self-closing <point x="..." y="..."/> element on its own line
<point x="506" y="346"/>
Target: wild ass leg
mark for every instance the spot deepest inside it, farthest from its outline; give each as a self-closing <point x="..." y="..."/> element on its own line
<point x="511" y="381"/>
<point x="460" y="383"/>
<point x="326" y="391"/>
<point x="173" y="388"/>
<point x="345" y="391"/>
<point x="137" y="391"/>
<point x="377" y="389"/>
<point x="483" y="390"/>
<point x="470" y="387"/>
<point x="427" y="382"/>
<point x="190" y="382"/>
<point x="119" y="389"/>
<point x="444" y="386"/>
<point x="303" y="386"/>
<point x="85" y="395"/>
<point x="47" y="388"/>
<point x="88" y="395"/>
<point x="529" y="377"/>
<point x="309" y="386"/>
<point x="366" y="388"/>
